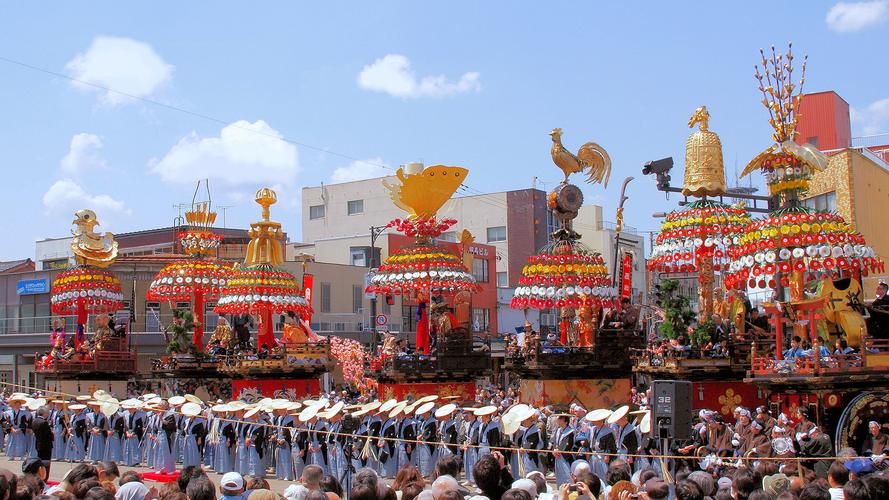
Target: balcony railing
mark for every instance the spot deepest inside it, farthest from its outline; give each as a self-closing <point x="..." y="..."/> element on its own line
<point x="870" y="357"/>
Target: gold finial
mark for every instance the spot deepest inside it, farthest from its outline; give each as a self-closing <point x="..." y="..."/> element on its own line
<point x="704" y="170"/>
<point x="265" y="245"/>
<point x="91" y="248"/>
<point x="266" y="197"/>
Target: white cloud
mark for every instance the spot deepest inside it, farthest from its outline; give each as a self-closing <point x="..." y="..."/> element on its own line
<point x="121" y="64"/>
<point x="67" y="195"/>
<point x="360" y="170"/>
<point x="83" y="154"/>
<point x="244" y="154"/>
<point x="393" y="75"/>
<point x="846" y="17"/>
<point x="874" y="118"/>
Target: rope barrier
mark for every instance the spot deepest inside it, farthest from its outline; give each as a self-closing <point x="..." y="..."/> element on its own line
<point x="603" y="454"/>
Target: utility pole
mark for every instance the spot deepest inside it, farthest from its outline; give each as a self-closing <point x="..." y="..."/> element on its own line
<point x="375" y="232"/>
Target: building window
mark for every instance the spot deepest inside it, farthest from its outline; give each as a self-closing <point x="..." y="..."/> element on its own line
<point x="448" y="236"/>
<point x="823" y="202"/>
<point x="184" y="306"/>
<point x="502" y="282"/>
<point x="325" y="297"/>
<point x="480" y="319"/>
<point x="409" y="318"/>
<point x="316" y="212"/>
<point x="358" y="256"/>
<point x="56" y="264"/>
<point x="355" y="207"/>
<point x="480" y="270"/>
<point x="152" y="316"/>
<point x="357" y="298"/>
<point x="552" y="224"/>
<point x="496" y="234"/>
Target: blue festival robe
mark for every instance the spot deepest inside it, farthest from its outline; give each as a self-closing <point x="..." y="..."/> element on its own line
<point x="78" y="428"/>
<point x="58" y="419"/>
<point x="195" y="430"/>
<point x="98" y="425"/>
<point x="225" y="448"/>
<point x="407" y="431"/>
<point x="210" y="441"/>
<point x="563" y="440"/>
<point x="135" y="432"/>
<point x="335" y="457"/>
<point x="20" y="427"/>
<point x="426" y="451"/>
<point x="318" y="443"/>
<point x="470" y="455"/>
<point x="256" y="450"/>
<point x="283" y="455"/>
<point x="299" y="447"/>
<point x="388" y="453"/>
<point x="165" y="455"/>
<point x="116" y="438"/>
<point x="149" y="440"/>
<point x="531" y="440"/>
<point x="241" y="454"/>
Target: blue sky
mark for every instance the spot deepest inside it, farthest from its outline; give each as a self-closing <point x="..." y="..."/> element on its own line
<point x="477" y="84"/>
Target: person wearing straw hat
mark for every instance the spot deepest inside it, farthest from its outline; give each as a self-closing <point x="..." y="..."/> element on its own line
<point x="407" y="433"/>
<point x="317" y="442"/>
<point x="339" y="461"/>
<point x="75" y="448"/>
<point x="489" y="435"/>
<point x="626" y="440"/>
<point x="167" y="429"/>
<point x="150" y="436"/>
<point x="283" y="423"/>
<point x="134" y="423"/>
<point x="97" y="423"/>
<point x="470" y="428"/>
<point x="642" y="429"/>
<point x="374" y="430"/>
<point x="562" y="442"/>
<point x="388" y="433"/>
<point x="530" y="440"/>
<point x="426" y="427"/>
<point x="361" y="442"/>
<point x="211" y="439"/>
<point x="32" y="406"/>
<point x="226" y="440"/>
<point x="19" y="429"/>
<point x="58" y="420"/>
<point x="254" y="442"/>
<point x="195" y="430"/>
<point x="299" y="442"/>
<point x="601" y="441"/>
<point x="448" y="431"/>
<point x="116" y="435"/>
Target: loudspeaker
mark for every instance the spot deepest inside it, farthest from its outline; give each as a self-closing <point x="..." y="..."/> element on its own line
<point x="671" y="410"/>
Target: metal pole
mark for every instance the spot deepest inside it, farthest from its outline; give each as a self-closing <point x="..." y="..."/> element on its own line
<point x="375" y="232"/>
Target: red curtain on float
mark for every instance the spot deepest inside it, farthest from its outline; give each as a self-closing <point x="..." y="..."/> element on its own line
<point x="275" y="388"/>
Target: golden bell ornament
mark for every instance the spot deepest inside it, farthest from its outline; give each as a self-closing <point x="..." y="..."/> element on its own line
<point x="704" y="172"/>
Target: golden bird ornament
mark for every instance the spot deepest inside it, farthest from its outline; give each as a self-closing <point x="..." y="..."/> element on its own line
<point x="422" y="194"/>
<point x="591" y="158"/>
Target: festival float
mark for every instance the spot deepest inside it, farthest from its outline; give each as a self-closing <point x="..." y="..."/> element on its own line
<point x="88" y="288"/>
<point x="444" y="360"/>
<point x="812" y="262"/>
<point x="582" y="362"/>
<point x="197" y="279"/>
<point x="261" y="289"/>
<point x="693" y="251"/>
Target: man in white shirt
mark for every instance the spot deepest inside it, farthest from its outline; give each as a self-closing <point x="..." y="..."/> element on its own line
<point x="837" y="477"/>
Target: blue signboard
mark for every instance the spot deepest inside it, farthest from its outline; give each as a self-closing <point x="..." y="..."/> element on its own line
<point x="32" y="287"/>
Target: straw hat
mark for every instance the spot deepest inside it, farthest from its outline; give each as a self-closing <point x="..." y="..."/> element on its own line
<point x="424" y="408"/>
<point x="308" y="413"/>
<point x="445" y="410"/>
<point x="110" y="407"/>
<point x="58" y="402"/>
<point x="252" y="411"/>
<point x="597" y="415"/>
<point x="618" y="414"/>
<point x="280" y="404"/>
<point x="645" y="424"/>
<point x="485" y="410"/>
<point x="20" y="399"/>
<point x="333" y="410"/>
<point x="510" y="423"/>
<point x="237" y="405"/>
<point x="521" y="412"/>
<point x="101" y="395"/>
<point x="191" y="398"/>
<point x="155" y="401"/>
<point x="176" y="400"/>
<point x="191" y="409"/>
<point x="34" y="404"/>
<point x="373" y="405"/>
<point x="360" y="413"/>
<point x="150" y="395"/>
<point x="294" y="406"/>
<point x="398" y="409"/>
<point x="83" y="399"/>
<point x="76" y="407"/>
<point x="388" y="405"/>
<point x="426" y="399"/>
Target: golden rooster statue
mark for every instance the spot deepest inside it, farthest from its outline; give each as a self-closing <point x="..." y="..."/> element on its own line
<point x="591" y="157"/>
<point x="90" y="247"/>
<point x="422" y="193"/>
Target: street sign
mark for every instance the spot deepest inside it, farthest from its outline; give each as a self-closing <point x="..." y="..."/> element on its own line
<point x="367" y="277"/>
<point x="32" y="287"/>
<point x="381" y="320"/>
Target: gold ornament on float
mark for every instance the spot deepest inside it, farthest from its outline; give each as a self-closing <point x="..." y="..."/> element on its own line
<point x="704" y="172"/>
<point x="91" y="248"/>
